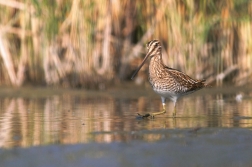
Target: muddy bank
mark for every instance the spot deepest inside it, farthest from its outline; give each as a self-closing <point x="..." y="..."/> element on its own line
<point x="178" y="147"/>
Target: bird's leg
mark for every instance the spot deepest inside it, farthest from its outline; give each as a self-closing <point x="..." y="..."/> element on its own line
<point x="152" y="115"/>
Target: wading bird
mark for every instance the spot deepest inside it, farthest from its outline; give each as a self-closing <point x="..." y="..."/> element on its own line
<point x="165" y="81"/>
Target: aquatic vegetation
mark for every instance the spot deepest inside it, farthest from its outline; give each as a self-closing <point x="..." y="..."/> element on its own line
<point x="91" y="44"/>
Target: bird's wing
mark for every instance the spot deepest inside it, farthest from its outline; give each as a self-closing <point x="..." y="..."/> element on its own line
<point x="184" y="83"/>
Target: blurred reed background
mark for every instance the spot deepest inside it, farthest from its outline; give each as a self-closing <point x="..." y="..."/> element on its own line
<point x="94" y="44"/>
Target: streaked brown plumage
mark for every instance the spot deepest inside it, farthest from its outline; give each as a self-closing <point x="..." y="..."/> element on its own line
<point x="165" y="81"/>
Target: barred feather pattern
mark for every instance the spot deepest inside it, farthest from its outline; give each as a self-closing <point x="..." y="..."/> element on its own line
<point x="166" y="81"/>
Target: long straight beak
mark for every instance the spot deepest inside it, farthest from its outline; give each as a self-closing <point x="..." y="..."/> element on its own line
<point x="135" y="73"/>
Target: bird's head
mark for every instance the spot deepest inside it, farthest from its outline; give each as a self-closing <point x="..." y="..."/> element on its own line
<point x="153" y="47"/>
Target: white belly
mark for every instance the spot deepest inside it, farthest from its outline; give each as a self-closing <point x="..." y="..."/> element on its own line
<point x="167" y="94"/>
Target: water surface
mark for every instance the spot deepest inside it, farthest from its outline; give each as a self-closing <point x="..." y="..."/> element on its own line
<point x="60" y="127"/>
<point x="40" y="116"/>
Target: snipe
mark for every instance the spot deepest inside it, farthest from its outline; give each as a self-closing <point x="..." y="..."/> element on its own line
<point x="165" y="81"/>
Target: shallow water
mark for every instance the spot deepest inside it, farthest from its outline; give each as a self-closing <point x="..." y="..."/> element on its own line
<point x="44" y="117"/>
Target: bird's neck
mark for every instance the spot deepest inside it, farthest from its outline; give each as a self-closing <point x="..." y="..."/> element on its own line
<point x="157" y="60"/>
<point x="156" y="64"/>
